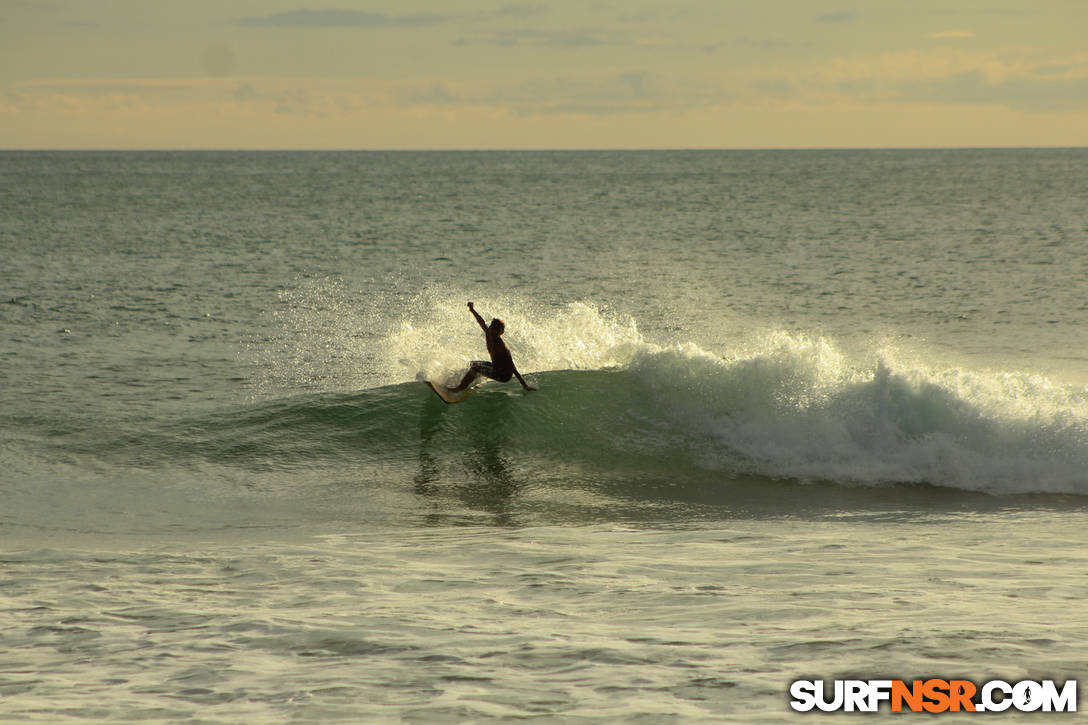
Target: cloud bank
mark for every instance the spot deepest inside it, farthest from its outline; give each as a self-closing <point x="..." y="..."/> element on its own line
<point x="340" y="19"/>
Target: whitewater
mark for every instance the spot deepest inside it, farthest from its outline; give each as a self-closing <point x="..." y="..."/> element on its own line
<point x="800" y="415"/>
<point x="772" y="403"/>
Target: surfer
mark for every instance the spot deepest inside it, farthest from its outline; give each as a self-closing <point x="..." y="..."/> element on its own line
<point x="501" y="367"/>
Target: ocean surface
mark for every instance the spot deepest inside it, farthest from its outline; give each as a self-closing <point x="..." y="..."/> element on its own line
<point x="800" y="415"/>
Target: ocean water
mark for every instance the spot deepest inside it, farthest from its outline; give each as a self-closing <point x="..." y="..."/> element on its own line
<point x="801" y="415"/>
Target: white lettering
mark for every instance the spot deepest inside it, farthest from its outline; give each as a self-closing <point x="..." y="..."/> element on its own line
<point x="1064" y="701"/>
<point x="879" y="691"/>
<point x="1027" y="696"/>
<point x="835" y="703"/>
<point x="988" y="702"/>
<point x="804" y="695"/>
<point x="855" y="695"/>
<point x="993" y="696"/>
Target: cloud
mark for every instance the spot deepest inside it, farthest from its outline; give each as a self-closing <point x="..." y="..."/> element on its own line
<point x="579" y="38"/>
<point x="340" y="19"/>
<point x="1053" y="69"/>
<point x="99" y="86"/>
<point x="951" y="77"/>
<point x="435" y="94"/>
<point x="39" y="6"/>
<point x="776" y="88"/>
<point x="305" y="97"/>
<point x="246" y="93"/>
<point x="218" y="60"/>
<point x="1022" y="93"/>
<point x="771" y="45"/>
<point x="295" y="102"/>
<point x="319" y="103"/>
<point x="621" y="93"/>
<point x="952" y="34"/>
<point x="840" y="16"/>
<point x="521" y="10"/>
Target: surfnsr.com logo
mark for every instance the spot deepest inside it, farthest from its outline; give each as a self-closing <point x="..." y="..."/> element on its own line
<point x="934" y="695"/>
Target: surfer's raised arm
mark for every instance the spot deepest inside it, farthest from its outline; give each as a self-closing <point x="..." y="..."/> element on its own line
<point x="477" y="316"/>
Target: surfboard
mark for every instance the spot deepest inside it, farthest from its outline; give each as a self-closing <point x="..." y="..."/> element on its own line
<point x="446" y="394"/>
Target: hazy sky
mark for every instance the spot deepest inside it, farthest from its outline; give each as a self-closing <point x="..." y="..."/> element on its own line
<point x="422" y="74"/>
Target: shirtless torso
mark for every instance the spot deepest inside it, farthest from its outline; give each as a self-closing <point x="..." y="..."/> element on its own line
<point x="501" y="367"/>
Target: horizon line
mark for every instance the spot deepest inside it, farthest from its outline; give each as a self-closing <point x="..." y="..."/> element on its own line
<point x="513" y="149"/>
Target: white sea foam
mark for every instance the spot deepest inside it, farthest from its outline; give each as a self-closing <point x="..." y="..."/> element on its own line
<point x="797" y="407"/>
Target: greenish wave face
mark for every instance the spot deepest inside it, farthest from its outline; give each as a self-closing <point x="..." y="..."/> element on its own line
<point x="796" y="411"/>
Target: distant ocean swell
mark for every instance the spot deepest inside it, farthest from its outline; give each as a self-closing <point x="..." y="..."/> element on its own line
<point x="781" y="407"/>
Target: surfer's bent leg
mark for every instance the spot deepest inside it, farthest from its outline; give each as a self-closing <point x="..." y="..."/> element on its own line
<point x="476" y="369"/>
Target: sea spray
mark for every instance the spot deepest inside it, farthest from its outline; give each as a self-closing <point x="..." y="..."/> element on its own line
<point x="438" y="337"/>
<point x="335" y="338"/>
<point x="773" y="403"/>
<point x="326" y="338"/>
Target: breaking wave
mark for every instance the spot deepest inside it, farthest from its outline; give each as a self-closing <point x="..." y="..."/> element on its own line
<point x="777" y="405"/>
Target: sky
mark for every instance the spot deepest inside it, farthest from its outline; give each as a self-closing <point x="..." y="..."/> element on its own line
<point x="480" y="74"/>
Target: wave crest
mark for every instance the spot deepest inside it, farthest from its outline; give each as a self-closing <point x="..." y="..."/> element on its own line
<point x="770" y="404"/>
<point x="801" y="409"/>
